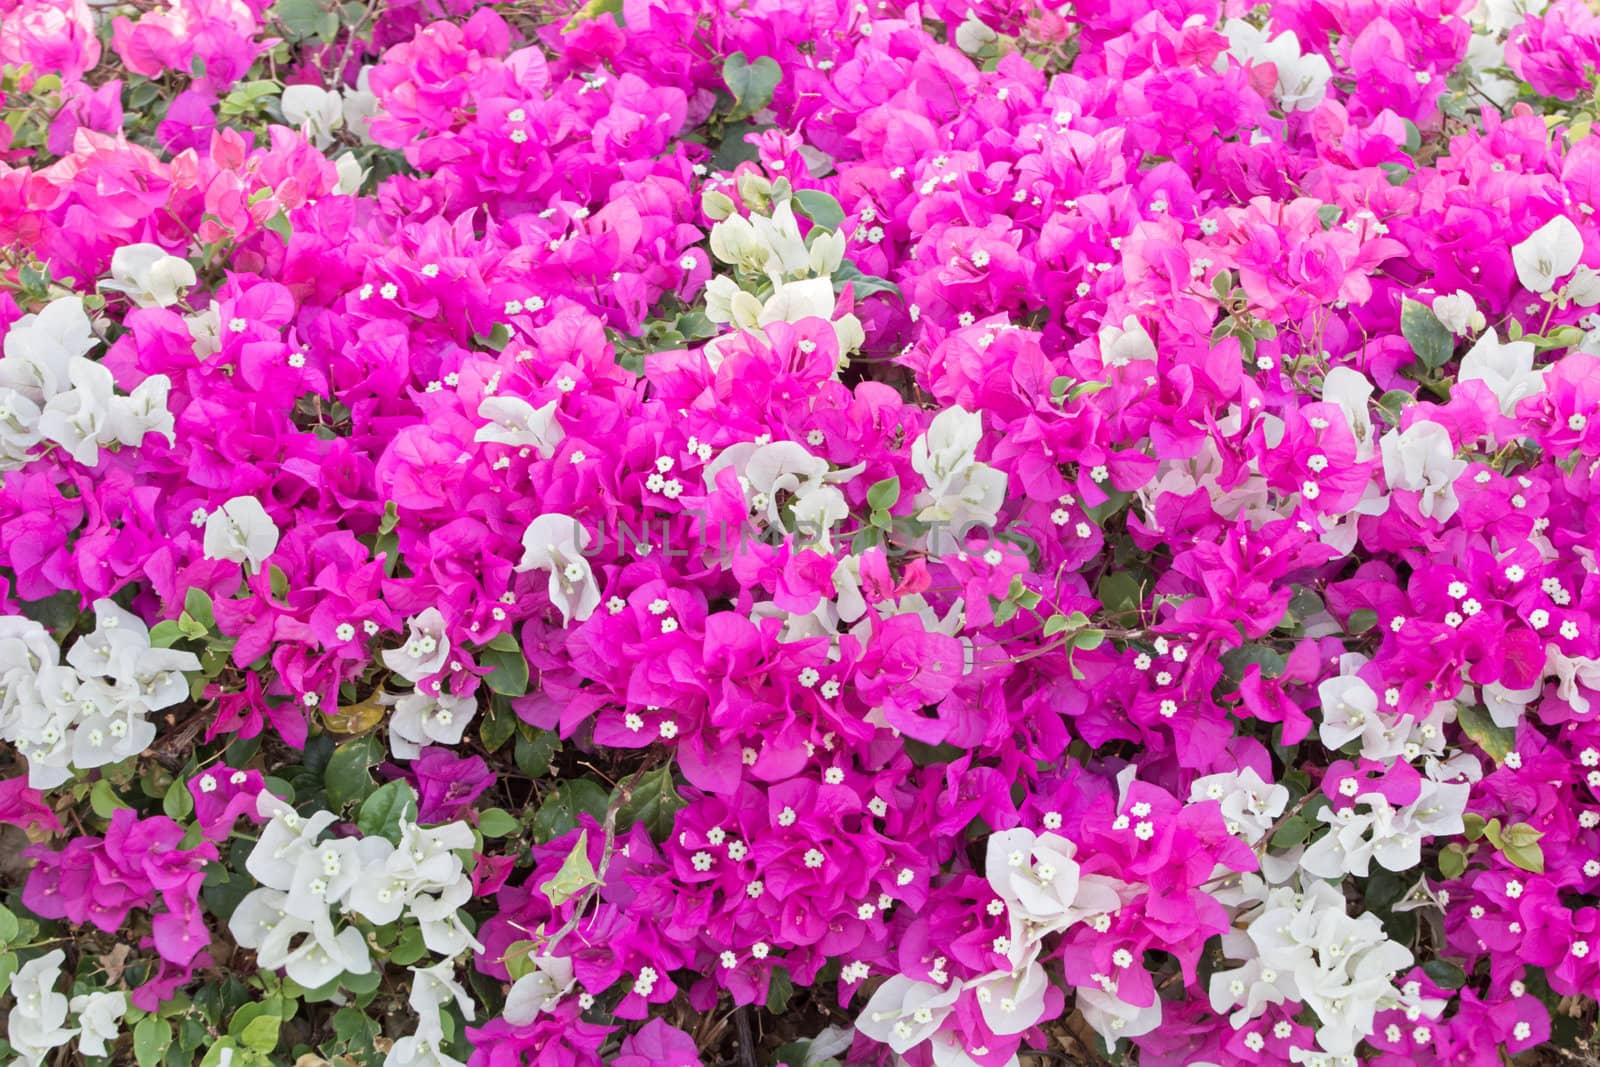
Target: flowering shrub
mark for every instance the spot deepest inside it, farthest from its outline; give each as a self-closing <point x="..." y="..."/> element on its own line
<point x="663" y="534"/>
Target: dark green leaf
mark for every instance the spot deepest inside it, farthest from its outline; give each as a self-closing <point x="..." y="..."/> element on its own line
<point x="508" y="673"/>
<point x="1444" y="974"/>
<point x="534" y="752"/>
<point x="496" y="822"/>
<point x="1360" y="621"/>
<point x="151" y="1037"/>
<point x="559" y="813"/>
<point x="348" y="777"/>
<point x="883" y="495"/>
<point x="653" y="800"/>
<point x="1235" y="661"/>
<point x="779" y="991"/>
<point x="750" y="83"/>
<point x="381" y="812"/>
<point x="1430" y="339"/>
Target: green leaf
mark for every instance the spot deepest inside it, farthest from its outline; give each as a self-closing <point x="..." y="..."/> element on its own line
<point x="496" y="822"/>
<point x="534" y="752"/>
<point x="1360" y="621"/>
<point x="884" y="495"/>
<point x="865" y="285"/>
<point x="496" y="339"/>
<point x="1497" y="741"/>
<point x="279" y="224"/>
<point x="1529" y="857"/>
<point x="1293" y="832"/>
<point x="197" y="605"/>
<point x="1236" y="661"/>
<point x="104" y="800"/>
<point x="780" y="989"/>
<point x="1444" y="974"/>
<point x="559" y="813"/>
<point x="819" y="207"/>
<point x="301" y="18"/>
<point x="391" y="517"/>
<point x="151" y="1038"/>
<point x="1452" y="860"/>
<point x="8" y="967"/>
<point x="1088" y="640"/>
<point x="653" y="800"/>
<point x="1430" y="339"/>
<point x="410" y="948"/>
<point x="349" y="774"/>
<point x="750" y="83"/>
<point x="1474" y="824"/>
<point x="260" y="1032"/>
<point x="381" y="812"/>
<point x="1119" y="593"/>
<point x="1397" y="173"/>
<point x="278" y="581"/>
<point x="9" y="927"/>
<point x="508" y="674"/>
<point x="576" y="874"/>
<point x="1328" y="215"/>
<point x="166" y="633"/>
<point x="1059" y="624"/>
<point x="519" y="958"/>
<point x="177" y="803"/>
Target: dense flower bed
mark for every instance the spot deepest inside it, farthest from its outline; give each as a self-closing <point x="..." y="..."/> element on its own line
<point x="669" y="533"/>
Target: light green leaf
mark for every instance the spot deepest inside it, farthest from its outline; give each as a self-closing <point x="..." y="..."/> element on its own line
<point x="576" y="874"/>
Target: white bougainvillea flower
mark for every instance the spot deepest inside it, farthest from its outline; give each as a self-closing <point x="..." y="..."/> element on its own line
<point x="1114" y="1018"/>
<point x="149" y="275"/>
<point x="1012" y="1002"/>
<point x="1249" y="803"/>
<point x="241" y="531"/>
<point x="904" y="1012"/>
<point x="1302" y="79"/>
<point x="555" y="542"/>
<point x="1506" y="368"/>
<point x="1547" y="254"/>
<point x="513" y="421"/>
<point x="1422" y="459"/>
<point x="426" y="649"/>
<point x="1121" y="345"/>
<point x="1038" y="878"/>
<point x="420" y="720"/>
<point x="37" y="1023"/>
<point x="315" y="111"/>
<point x="1459" y="313"/>
<point x="98" y="1015"/>
<point x="538" y="991"/>
<point x="77" y="418"/>
<point x="1350" y="390"/>
<point x="40" y="349"/>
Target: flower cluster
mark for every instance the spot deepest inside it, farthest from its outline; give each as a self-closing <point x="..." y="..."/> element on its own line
<point x="966" y="526"/>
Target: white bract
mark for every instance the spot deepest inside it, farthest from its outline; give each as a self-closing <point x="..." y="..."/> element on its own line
<point x="513" y="421"/>
<point x="1459" y="313"/>
<point x="1249" y="803"/>
<point x="305" y="881"/>
<point x="98" y="1015"/>
<point x="1121" y="345"/>
<point x="51" y="391"/>
<point x="538" y="991"/>
<point x="1302" y="79"/>
<point x="960" y="492"/>
<point x="904" y="1012"/>
<point x="555" y="543"/>
<point x="1038" y="878"/>
<point x="1547" y="254"/>
<point x="94" y="709"/>
<point x="420" y="720"/>
<point x="426" y="649"/>
<point x="316" y="111"/>
<point x="1422" y="459"/>
<point x="431" y="989"/>
<point x="37" y="1024"/>
<point x="1351" y="390"/>
<point x="1507" y="369"/>
<point x="1390" y="836"/>
<point x="149" y="275"/>
<point x="241" y="531"/>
